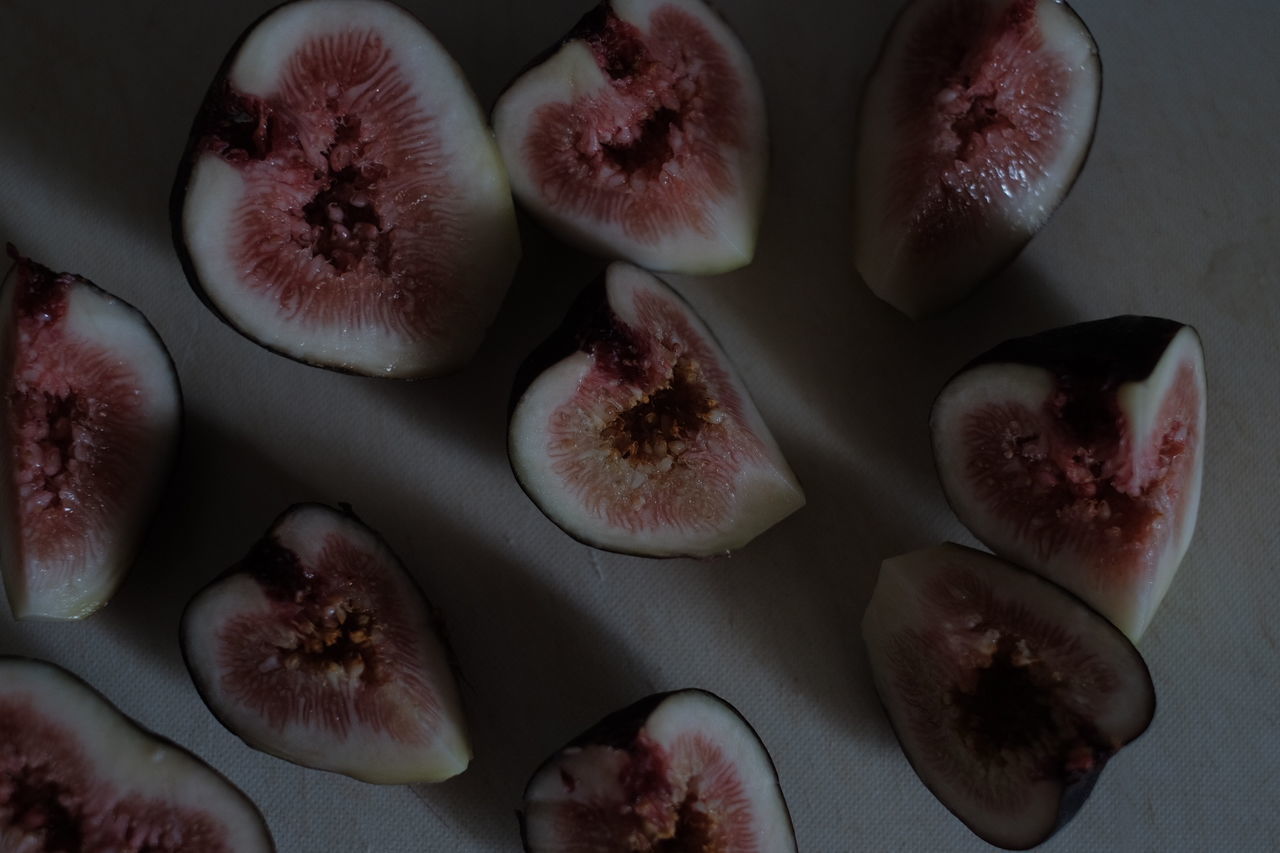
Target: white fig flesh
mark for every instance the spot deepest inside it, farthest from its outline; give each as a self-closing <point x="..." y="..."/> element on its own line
<point x="974" y="124"/>
<point x="1078" y="453"/>
<point x="679" y="771"/>
<point x="319" y="648"/>
<point x="76" y="774"/>
<point x="643" y="137"/>
<point x="643" y="440"/>
<point x="90" y="423"/>
<point x="346" y="204"/>
<point x="1007" y="694"/>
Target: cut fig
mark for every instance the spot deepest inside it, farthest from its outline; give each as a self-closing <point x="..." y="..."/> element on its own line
<point x="974" y="124"/>
<point x="680" y="771"/>
<point x="1077" y="453"/>
<point x="642" y="136"/>
<point x="639" y="437"/>
<point x="342" y="201"/>
<point x="91" y="418"/>
<point x="77" y="775"/>
<point x="1007" y="694"/>
<point x="319" y="648"/>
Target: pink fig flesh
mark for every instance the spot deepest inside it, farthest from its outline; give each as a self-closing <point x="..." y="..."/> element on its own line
<point x="974" y="124"/>
<point x="342" y="201"/>
<point x="637" y="435"/>
<point x="1078" y="453"/>
<point x="1007" y="694"/>
<point x="77" y="775"/>
<point x="318" y="647"/>
<point x="680" y="771"/>
<point x="642" y="136"/>
<point x="90" y="422"/>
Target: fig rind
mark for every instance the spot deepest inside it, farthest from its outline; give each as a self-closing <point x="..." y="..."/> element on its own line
<point x="1079" y="453"/>
<point x="320" y="648"/>
<point x="95" y="780"/>
<point x="642" y="439"/>
<point x="1007" y="694"/>
<point x="91" y="421"/>
<point x="679" y="770"/>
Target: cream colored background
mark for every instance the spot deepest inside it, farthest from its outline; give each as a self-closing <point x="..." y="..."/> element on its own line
<point x="1175" y="214"/>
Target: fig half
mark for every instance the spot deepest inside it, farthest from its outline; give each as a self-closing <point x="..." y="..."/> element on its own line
<point x="680" y="771"/>
<point x="1007" y="694"/>
<point x="341" y="201"/>
<point x="642" y="136"/>
<point x="77" y="775"/>
<point x="974" y="124"/>
<point x="1078" y="452"/>
<point x="638" y="436"/>
<point x="318" y="647"/>
<point x="91" y="415"/>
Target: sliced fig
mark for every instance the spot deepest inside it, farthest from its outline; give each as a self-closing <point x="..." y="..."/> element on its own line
<point x="91" y="418"/>
<point x="77" y="775"/>
<point x="974" y="124"/>
<point x="639" y="437"/>
<point x="680" y="771"/>
<point x="1077" y="453"/>
<point x="642" y="136"/>
<point x="341" y="201"/>
<point x="1008" y="694"/>
<point x="319" y="648"/>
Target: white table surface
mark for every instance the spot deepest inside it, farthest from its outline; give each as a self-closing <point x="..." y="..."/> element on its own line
<point x="1175" y="214"/>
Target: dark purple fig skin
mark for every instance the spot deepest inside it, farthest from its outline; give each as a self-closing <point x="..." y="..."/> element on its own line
<point x="619" y="730"/>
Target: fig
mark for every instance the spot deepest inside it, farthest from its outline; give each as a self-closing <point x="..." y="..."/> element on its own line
<point x="681" y="771"/>
<point x="91" y="420"/>
<point x="1078" y="452"/>
<point x="1007" y="694"/>
<point x="638" y="436"/>
<point x="642" y="136"/>
<point x="974" y="123"/>
<point x="341" y="200"/>
<point x="78" y="775"/>
<point x="319" y="647"/>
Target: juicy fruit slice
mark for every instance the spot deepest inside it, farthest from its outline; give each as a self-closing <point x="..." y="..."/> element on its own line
<point x="1007" y="694"/>
<point x="1077" y="453"/>
<point x="77" y="775"/>
<point x="639" y="437"/>
<point x="973" y="126"/>
<point x="342" y="201"/>
<point x="643" y="137"/>
<point x="673" y="772"/>
<point x="319" y="648"/>
<point x="90" y="420"/>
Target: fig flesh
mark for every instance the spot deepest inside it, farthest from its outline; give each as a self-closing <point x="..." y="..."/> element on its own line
<point x="1078" y="453"/>
<point x="639" y="437"/>
<point x="341" y="201"/>
<point x="1007" y="694"/>
<point x="90" y="418"/>
<point x="77" y="775"/>
<point x="642" y="136"/>
<point x="319" y="648"/>
<point x="974" y="124"/>
<point x="680" y="771"/>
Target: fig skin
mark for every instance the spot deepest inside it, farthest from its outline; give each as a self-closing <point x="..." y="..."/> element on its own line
<point x="603" y="336"/>
<point x="415" y="763"/>
<point x="620" y="729"/>
<point x="456" y="345"/>
<point x="138" y="748"/>
<point x="1107" y="369"/>
<point x="1075" y="777"/>
<point x="154" y="369"/>
<point x="911" y="280"/>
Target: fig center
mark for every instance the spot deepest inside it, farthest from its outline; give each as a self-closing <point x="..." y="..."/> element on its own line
<point x="344" y="225"/>
<point x="658" y="429"/>
<point x="56" y="436"/>
<point x="1008" y="707"/>
<point x="335" y="639"/>
<point x="34" y="808"/>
